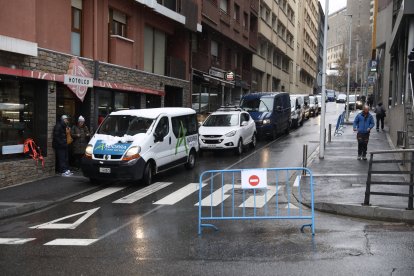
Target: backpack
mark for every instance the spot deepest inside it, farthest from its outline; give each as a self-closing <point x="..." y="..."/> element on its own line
<point x="33" y="150"/>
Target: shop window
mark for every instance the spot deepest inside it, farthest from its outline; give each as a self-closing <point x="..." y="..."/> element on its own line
<point x="76" y="35"/>
<point x="23" y="114"/>
<point x="118" y="23"/>
<point x="109" y="101"/>
<point x="154" y="50"/>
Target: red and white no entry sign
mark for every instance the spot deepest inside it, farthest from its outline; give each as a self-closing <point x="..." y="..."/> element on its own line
<point x="254" y="179"/>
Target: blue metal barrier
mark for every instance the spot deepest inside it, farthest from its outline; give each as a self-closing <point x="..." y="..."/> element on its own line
<point x="228" y="201"/>
<point x="340" y="124"/>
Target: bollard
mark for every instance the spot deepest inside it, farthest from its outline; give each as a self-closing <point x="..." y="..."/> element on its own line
<point x="305" y="158"/>
<point x="329" y="133"/>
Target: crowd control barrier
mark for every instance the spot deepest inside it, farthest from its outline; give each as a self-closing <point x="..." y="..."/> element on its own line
<point x="255" y="194"/>
<point x="340" y="125"/>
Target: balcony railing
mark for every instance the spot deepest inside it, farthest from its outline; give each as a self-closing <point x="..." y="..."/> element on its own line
<point x="254" y="5"/>
<point x="253" y="40"/>
<point x="176" y="68"/>
<point x="210" y="11"/>
<point x="224" y="17"/>
<point x="201" y="61"/>
<point x="121" y="51"/>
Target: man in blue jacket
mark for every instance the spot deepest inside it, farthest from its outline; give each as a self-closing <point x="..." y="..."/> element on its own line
<point x="363" y="124"/>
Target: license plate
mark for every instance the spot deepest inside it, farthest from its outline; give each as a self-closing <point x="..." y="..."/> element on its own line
<point x="211" y="146"/>
<point x="105" y="170"/>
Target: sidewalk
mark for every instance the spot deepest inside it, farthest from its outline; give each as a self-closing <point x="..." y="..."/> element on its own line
<point x="339" y="179"/>
<point x="27" y="197"/>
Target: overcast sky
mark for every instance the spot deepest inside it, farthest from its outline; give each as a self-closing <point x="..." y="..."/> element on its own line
<point x="334" y="5"/>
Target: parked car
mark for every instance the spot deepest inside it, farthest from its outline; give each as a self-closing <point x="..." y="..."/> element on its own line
<point x="313" y="106"/>
<point x="298" y="110"/>
<point x="228" y="128"/>
<point x="319" y="97"/>
<point x="341" y="98"/>
<point x="360" y="102"/>
<point x="271" y="112"/>
<point x="352" y="102"/>
<point x="137" y="144"/>
<point x="306" y="104"/>
<point x="330" y="95"/>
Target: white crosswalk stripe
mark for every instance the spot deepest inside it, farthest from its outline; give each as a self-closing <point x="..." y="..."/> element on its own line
<point x="180" y="194"/>
<point x="140" y="194"/>
<point x="218" y="196"/>
<point x="72" y="242"/>
<point x="261" y="200"/>
<point x="100" y="194"/>
<point x="15" y="241"/>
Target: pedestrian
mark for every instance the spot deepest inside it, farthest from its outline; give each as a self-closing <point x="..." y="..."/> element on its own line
<point x="363" y="124"/>
<point x="80" y="134"/>
<point x="60" y="144"/>
<point x="370" y="100"/>
<point x="380" y="114"/>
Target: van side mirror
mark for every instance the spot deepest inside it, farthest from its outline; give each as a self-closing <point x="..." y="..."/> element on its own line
<point x="278" y="108"/>
<point x="158" y="137"/>
<point x="244" y="123"/>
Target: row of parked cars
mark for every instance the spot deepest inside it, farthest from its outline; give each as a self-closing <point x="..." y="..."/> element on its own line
<point x="137" y="144"/>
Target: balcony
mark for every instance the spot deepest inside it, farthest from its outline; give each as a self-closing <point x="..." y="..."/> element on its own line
<point x="247" y="76"/>
<point x="253" y="40"/>
<point x="210" y="11"/>
<point x="254" y="5"/>
<point x="224" y="17"/>
<point x="176" y="68"/>
<point x="201" y="61"/>
<point x="121" y="51"/>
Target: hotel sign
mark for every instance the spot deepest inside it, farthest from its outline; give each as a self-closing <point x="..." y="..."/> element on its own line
<point x="79" y="81"/>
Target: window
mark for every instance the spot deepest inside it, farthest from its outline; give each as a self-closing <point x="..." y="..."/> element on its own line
<point x="236" y="13"/>
<point x="224" y="5"/>
<point x="76" y="35"/>
<point x="118" y="23"/>
<point x="163" y="127"/>
<point x="215" y="49"/>
<point x="154" y="50"/>
<point x="188" y="122"/>
<point x="246" y="21"/>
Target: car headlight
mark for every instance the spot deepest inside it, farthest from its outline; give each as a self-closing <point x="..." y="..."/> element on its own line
<point x="132" y="153"/>
<point x="266" y="121"/>
<point x="231" y="133"/>
<point x="89" y="150"/>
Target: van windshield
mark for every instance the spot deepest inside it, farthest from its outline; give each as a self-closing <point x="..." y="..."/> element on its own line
<point x="222" y="120"/>
<point x="120" y="125"/>
<point x="293" y="102"/>
<point x="263" y="104"/>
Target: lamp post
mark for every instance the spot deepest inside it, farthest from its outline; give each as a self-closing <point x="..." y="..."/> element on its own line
<point x="349" y="69"/>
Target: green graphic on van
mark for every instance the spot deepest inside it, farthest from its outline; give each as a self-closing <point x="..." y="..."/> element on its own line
<point x="113" y="149"/>
<point x="181" y="138"/>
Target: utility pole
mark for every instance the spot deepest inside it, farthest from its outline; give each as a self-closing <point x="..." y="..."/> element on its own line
<point x="349" y="69"/>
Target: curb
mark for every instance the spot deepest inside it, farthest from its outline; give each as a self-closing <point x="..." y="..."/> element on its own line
<point x="22" y="208"/>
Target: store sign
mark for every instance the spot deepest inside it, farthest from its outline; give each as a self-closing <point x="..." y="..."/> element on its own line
<point x="75" y="80"/>
<point x="229" y="76"/>
<point x="78" y="78"/>
<point x="373" y="66"/>
<point x="215" y="73"/>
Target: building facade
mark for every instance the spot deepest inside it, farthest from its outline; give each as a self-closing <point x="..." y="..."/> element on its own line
<point x="317" y="89"/>
<point x="338" y="33"/>
<point x="121" y="54"/>
<point x="222" y="53"/>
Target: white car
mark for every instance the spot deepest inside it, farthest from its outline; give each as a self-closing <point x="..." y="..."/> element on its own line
<point x="227" y="128"/>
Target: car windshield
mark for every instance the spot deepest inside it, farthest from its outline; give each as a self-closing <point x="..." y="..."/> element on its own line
<point x="262" y="104"/>
<point x="352" y="98"/>
<point x="312" y="99"/>
<point x="222" y="120"/>
<point x="120" y="125"/>
<point x="293" y="102"/>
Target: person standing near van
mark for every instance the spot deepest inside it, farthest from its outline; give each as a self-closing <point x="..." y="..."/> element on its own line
<point x="60" y="144"/>
<point x="380" y="114"/>
<point x="363" y="124"/>
<point x="80" y="134"/>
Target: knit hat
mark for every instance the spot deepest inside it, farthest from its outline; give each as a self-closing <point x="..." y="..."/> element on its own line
<point x="64" y="117"/>
<point x="81" y="119"/>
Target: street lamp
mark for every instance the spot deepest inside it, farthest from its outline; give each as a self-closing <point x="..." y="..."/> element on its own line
<point x="349" y="69"/>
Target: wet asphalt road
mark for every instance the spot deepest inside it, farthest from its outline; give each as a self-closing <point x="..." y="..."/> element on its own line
<point x="147" y="239"/>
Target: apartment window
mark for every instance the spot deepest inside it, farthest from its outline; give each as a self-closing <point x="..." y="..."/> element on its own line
<point x="224" y="5"/>
<point x="245" y="21"/>
<point x="154" y="50"/>
<point x="76" y="35"/>
<point x="118" y="23"/>
<point x="215" y="50"/>
<point x="236" y="14"/>
<point x="171" y="4"/>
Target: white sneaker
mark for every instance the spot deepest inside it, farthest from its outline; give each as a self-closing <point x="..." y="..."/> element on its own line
<point x="67" y="173"/>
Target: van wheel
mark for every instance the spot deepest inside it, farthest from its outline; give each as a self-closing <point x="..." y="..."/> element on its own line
<point x="254" y="141"/>
<point x="191" y="160"/>
<point x="239" y="149"/>
<point x="148" y="174"/>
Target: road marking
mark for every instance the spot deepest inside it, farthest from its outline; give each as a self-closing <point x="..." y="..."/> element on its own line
<point x="261" y="200"/>
<point x="100" y="194"/>
<point x="53" y="225"/>
<point x="297" y="181"/>
<point x="291" y="206"/>
<point x="15" y="240"/>
<point x="218" y="196"/>
<point x="140" y="194"/>
<point x="72" y="242"/>
<point x="179" y="194"/>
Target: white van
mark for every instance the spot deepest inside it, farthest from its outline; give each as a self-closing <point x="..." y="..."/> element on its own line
<point x="137" y="144"/>
<point x="297" y="103"/>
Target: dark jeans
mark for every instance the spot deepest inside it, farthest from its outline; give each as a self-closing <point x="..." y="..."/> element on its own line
<point x="363" y="139"/>
<point x="62" y="159"/>
<point x="380" y="118"/>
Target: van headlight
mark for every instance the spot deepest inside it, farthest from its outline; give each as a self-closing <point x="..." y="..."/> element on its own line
<point x="89" y="151"/>
<point x="231" y="133"/>
<point x="132" y="153"/>
<point x="266" y="121"/>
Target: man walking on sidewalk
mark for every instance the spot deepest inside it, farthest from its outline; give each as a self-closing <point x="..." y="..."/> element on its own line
<point x="380" y="114"/>
<point x="363" y="124"/>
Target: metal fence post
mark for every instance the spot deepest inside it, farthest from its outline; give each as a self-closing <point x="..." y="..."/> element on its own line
<point x="368" y="185"/>
<point x="329" y="133"/>
<point x="305" y="158"/>
<point x="410" y="193"/>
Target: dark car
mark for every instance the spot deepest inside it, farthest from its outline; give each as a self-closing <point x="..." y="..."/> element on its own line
<point x="271" y="112"/>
